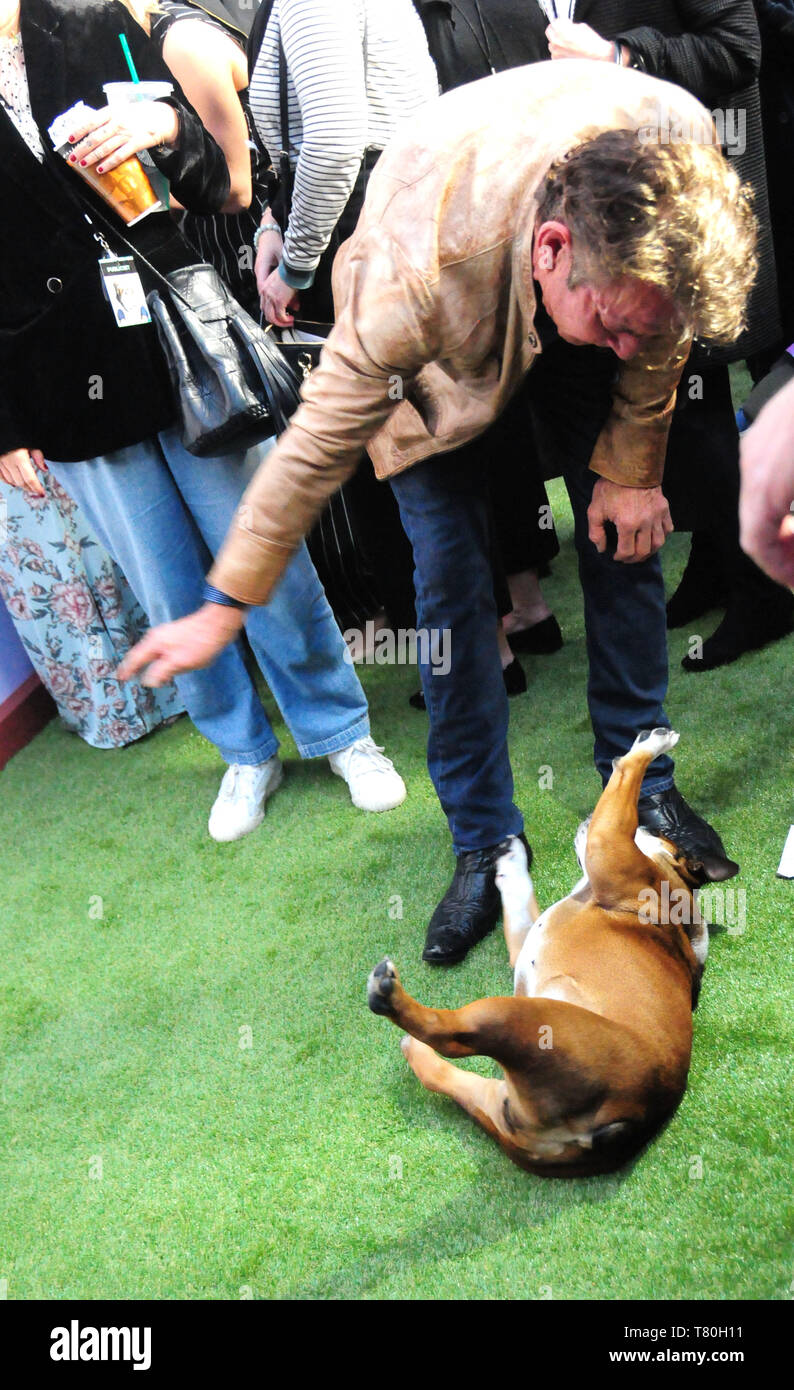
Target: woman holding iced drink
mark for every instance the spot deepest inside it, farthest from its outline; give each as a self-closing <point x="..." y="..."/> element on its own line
<point x="91" y="396"/>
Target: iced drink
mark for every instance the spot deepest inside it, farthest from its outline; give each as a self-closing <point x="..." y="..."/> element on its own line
<point x="126" y="188"/>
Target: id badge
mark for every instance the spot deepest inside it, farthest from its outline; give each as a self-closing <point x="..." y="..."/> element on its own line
<point x="124" y="291"/>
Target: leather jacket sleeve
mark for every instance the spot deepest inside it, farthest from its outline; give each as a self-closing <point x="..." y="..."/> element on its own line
<point x="631" y="447"/>
<point x="368" y="360"/>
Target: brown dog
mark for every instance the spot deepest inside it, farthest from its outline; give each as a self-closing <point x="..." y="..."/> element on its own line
<point x="595" y="1044"/>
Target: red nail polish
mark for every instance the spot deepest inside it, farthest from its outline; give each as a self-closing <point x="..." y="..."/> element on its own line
<point x="100" y="169"/>
<point x="71" y="138"/>
<point x="72" y="159"/>
<point x="83" y="163"/>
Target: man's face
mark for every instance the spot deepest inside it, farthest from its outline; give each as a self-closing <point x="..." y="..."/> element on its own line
<point x="622" y="315"/>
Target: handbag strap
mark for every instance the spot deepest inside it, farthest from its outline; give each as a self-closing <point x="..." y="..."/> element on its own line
<point x="96" y="215"/>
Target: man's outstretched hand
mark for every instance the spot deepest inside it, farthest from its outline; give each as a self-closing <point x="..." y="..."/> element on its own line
<point x="186" y="645"/>
<point x="640" y="514"/>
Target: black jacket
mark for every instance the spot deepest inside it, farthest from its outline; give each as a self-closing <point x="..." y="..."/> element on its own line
<point x="71" y="382"/>
<point x="776" y="21"/>
<point x="712" y="48"/>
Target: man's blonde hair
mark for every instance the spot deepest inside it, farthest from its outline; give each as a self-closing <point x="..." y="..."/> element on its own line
<point x="671" y="215"/>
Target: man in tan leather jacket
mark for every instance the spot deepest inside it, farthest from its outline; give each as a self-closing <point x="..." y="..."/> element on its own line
<point x="483" y="254"/>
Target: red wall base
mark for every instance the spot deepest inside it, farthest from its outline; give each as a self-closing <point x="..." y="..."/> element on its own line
<point x="23" y="715"/>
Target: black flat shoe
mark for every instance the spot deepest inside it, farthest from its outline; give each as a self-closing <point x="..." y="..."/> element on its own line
<point x="746" y="627"/>
<point x="540" y="640"/>
<point x="512" y="675"/>
<point x="469" y="909"/>
<point x="668" y="814"/>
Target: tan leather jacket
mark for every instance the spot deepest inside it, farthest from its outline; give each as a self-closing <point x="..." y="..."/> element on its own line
<point x="435" y="300"/>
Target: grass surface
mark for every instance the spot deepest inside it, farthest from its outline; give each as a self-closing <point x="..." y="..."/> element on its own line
<point x="311" y="1163"/>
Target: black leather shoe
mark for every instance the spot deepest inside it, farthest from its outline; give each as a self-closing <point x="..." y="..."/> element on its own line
<point x="668" y="814"/>
<point x="470" y="908"/>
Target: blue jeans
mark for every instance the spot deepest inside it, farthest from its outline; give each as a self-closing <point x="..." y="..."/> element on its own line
<point x="162" y="514"/>
<point x="444" y="509"/>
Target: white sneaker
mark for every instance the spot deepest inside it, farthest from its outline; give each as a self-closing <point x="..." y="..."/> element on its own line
<point x="374" y="783"/>
<point x="240" y="803"/>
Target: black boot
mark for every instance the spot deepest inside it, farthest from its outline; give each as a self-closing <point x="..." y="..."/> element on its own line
<point x="470" y="908"/>
<point x="759" y="612"/>
<point x="668" y="814"/>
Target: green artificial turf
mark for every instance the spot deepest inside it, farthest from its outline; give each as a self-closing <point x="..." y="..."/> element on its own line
<point x="311" y="1163"/>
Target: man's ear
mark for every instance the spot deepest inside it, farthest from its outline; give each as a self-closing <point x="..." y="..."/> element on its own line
<point x="552" y="239"/>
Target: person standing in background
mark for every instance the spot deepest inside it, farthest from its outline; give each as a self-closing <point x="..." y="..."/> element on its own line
<point x="776" y="22"/>
<point x="117" y="448"/>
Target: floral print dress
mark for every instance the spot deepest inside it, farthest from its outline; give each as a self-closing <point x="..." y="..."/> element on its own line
<point x="76" y="617"/>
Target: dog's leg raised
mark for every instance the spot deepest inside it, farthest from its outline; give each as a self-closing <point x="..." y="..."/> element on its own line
<point x="519" y="904"/>
<point x="616" y="867"/>
<point x="545" y="1046"/>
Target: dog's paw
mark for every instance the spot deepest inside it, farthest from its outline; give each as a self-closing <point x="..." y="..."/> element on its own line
<point x="380" y="987"/>
<point x="655" y="741"/>
<point x="513" y="878"/>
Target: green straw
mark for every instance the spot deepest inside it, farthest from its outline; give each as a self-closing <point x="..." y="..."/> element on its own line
<point x="126" y="50"/>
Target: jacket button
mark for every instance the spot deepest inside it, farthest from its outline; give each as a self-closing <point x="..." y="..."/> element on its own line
<point x="54" y="285"/>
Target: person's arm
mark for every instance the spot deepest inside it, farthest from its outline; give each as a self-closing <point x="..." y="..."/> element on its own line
<point x="383" y="336"/>
<point x="630" y="452"/>
<point x="191" y="160"/>
<point x="322" y="45"/>
<point x="767" y="492"/>
<point x="718" y="53"/>
<point x="205" y="63"/>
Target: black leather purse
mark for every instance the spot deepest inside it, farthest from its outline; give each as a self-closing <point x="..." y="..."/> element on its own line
<point x="232" y="384"/>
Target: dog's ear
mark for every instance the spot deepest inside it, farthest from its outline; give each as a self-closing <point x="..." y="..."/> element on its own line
<point x="714" y="868"/>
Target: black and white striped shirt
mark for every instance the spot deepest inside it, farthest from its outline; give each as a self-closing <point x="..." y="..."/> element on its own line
<point x="356" y="69"/>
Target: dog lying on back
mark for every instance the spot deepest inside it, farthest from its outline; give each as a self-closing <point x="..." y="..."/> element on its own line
<point x="595" y="1044"/>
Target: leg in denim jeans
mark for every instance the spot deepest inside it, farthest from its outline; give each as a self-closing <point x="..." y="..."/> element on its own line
<point x="443" y="506"/>
<point x="624" y="605"/>
<point x="294" y="637"/>
<point x="626" y="627"/>
<point x="136" y="510"/>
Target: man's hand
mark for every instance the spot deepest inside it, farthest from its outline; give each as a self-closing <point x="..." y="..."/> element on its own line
<point x="640" y="514"/>
<point x="19" y="469"/>
<point x="277" y="298"/>
<point x="570" y="40"/>
<point x="186" y="645"/>
<point x="767" y="496"/>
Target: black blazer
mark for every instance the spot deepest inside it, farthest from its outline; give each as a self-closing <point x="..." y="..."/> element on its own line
<point x="71" y="382"/>
<point x="712" y="48"/>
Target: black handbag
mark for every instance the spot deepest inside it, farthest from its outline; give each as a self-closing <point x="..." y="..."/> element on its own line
<point x="232" y="385"/>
